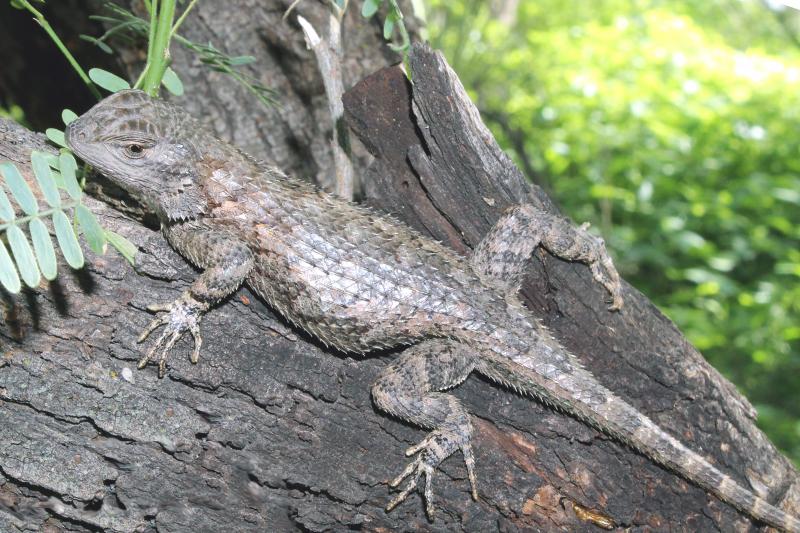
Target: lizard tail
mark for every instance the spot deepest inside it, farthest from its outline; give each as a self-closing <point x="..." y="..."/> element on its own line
<point x="572" y="389"/>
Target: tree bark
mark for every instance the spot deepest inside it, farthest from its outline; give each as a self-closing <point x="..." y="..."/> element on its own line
<point x="271" y="432"/>
<point x="295" y="134"/>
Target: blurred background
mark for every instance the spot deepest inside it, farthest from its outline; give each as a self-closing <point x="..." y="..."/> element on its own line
<point x="674" y="127"/>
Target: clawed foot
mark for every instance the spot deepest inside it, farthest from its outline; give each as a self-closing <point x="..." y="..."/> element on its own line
<point x="434" y="449"/>
<point x="607" y="276"/>
<point x="603" y="270"/>
<point x="182" y="315"/>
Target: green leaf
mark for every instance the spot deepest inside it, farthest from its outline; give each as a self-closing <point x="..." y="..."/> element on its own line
<point x="41" y="169"/>
<point x="172" y="82"/>
<point x="57" y="178"/>
<point x="67" y="115"/>
<point x="388" y="26"/>
<point x="68" y="166"/>
<point x="8" y="272"/>
<point x="238" y="61"/>
<point x="57" y="136"/>
<point x="92" y="230"/>
<point x="19" y="189"/>
<point x="6" y="211"/>
<point x="125" y="247"/>
<point x="104" y="47"/>
<point x="108" y="81"/>
<point x="23" y="255"/>
<point x="67" y="240"/>
<point x="52" y="160"/>
<point x="43" y="247"/>
<point x="97" y="42"/>
<point x="370" y="7"/>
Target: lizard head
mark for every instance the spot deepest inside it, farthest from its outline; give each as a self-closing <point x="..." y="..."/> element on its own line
<point x="146" y="146"/>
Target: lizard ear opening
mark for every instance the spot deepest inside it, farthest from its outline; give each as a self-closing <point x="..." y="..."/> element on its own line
<point x="179" y="194"/>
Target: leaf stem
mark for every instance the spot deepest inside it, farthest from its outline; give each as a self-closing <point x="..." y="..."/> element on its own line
<point x="158" y="56"/>
<point x="39" y="18"/>
<point x="40" y="214"/>
<point x="401" y="26"/>
<point x="153" y="10"/>
<point x="182" y="17"/>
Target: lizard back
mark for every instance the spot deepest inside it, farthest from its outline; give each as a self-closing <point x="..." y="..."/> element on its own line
<point x="356" y="279"/>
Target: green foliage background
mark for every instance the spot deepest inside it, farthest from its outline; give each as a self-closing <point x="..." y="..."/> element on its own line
<point x="673" y="127"/>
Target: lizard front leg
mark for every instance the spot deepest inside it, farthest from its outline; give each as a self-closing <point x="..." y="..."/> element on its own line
<point x="227" y="262"/>
<point x="408" y="388"/>
<point x="500" y="258"/>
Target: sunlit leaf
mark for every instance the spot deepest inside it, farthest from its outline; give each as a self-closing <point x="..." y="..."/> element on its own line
<point x="43" y="247"/>
<point x="107" y="80"/>
<point x="92" y="230"/>
<point x="68" y="167"/>
<point x="172" y="82"/>
<point x="388" y="26"/>
<point x="19" y="188"/>
<point x="67" y="241"/>
<point x="370" y="7"/>
<point x="52" y="160"/>
<point x="125" y="247"/>
<point x="57" y="136"/>
<point x="44" y="176"/>
<point x="23" y="255"/>
<point x="67" y="116"/>
<point x="6" y="211"/>
<point x="8" y="272"/>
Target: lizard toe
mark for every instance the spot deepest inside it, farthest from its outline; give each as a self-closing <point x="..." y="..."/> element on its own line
<point x="182" y="315"/>
<point x="430" y="453"/>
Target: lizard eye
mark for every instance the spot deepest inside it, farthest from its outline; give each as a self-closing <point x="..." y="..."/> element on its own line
<point x="134" y="151"/>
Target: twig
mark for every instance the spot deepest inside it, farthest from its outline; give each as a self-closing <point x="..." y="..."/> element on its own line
<point x="182" y="17"/>
<point x="290" y="9"/>
<point x="329" y="62"/>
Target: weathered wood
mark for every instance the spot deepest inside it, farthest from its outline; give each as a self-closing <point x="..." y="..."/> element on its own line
<point x="270" y="432"/>
<point x="439" y="168"/>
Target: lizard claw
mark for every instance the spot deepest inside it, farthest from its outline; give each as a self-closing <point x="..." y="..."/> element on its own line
<point x="160" y="307"/>
<point x="418" y="467"/>
<point x="433" y="449"/>
<point x="182" y="315"/>
<point x="603" y="272"/>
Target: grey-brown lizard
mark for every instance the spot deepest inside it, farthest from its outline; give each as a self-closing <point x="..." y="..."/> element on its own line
<point x="358" y="281"/>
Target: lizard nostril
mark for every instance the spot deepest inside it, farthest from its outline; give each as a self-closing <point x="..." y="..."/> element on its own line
<point x="75" y="134"/>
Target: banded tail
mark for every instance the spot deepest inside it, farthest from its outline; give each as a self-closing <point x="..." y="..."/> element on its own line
<point x="546" y="371"/>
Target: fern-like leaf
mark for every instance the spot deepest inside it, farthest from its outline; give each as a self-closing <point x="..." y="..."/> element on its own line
<point x="28" y="263"/>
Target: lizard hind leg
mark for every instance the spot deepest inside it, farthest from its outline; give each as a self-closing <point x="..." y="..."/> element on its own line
<point x="501" y="256"/>
<point x="409" y="388"/>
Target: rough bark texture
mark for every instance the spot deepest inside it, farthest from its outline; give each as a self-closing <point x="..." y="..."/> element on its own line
<point x="270" y="432"/>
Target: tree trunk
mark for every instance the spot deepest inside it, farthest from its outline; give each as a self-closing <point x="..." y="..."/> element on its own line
<point x="271" y="432"/>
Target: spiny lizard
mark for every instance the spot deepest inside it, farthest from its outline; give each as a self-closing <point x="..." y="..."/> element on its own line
<point x="359" y="281"/>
